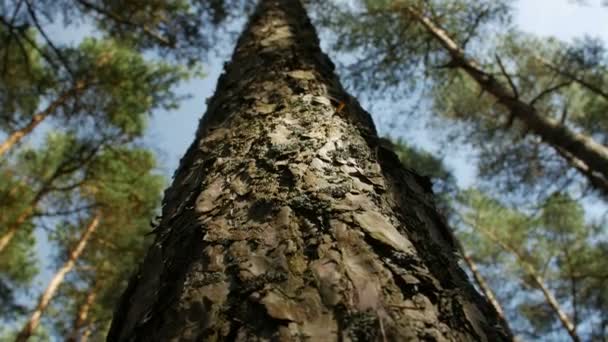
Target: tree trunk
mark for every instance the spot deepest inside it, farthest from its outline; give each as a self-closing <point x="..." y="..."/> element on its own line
<point x="540" y="284"/>
<point x="10" y="233"/>
<point x="288" y="220"/>
<point x="484" y="287"/>
<point x="587" y="156"/>
<point x="81" y="325"/>
<point x="25" y="215"/>
<point x="57" y="279"/>
<point x="86" y="333"/>
<point x="16" y="136"/>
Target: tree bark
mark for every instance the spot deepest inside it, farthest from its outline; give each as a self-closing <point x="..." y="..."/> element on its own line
<point x="591" y="157"/>
<point x="288" y="220"/>
<point x="49" y="292"/>
<point x="16" y="136"/>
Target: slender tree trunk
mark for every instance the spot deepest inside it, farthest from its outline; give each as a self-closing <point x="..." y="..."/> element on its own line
<point x="12" y="230"/>
<point x="86" y="333"/>
<point x="540" y="283"/>
<point x="591" y="157"/>
<point x="25" y="215"/>
<point x="45" y="189"/>
<point x="57" y="279"/>
<point x="80" y="327"/>
<point x="484" y="286"/>
<point x="288" y="220"/>
<point x="16" y="136"/>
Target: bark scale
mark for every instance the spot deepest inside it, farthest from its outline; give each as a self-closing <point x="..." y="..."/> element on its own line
<point x="51" y="289"/>
<point x="587" y="156"/>
<point x="289" y="220"/>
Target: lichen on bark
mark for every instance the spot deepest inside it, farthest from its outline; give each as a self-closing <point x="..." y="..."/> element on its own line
<point x="288" y="220"/>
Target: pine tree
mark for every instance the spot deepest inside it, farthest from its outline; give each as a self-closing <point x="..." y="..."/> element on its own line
<point x="543" y="265"/>
<point x="289" y="219"/>
<point x="120" y="192"/>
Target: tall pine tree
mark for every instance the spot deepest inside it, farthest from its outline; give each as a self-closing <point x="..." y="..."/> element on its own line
<point x="289" y="219"/>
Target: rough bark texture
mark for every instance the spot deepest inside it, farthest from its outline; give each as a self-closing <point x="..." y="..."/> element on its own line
<point x="287" y="220"/>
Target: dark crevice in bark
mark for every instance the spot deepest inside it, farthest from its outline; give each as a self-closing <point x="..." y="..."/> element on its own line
<point x="405" y="262"/>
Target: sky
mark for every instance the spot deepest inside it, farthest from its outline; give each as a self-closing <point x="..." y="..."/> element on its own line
<point x="562" y="19"/>
<point x="170" y="133"/>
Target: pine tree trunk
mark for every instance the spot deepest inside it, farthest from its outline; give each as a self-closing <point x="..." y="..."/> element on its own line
<point x="288" y="220"/>
<point x="49" y="292"/>
<point x="586" y="155"/>
<point x="485" y="288"/>
<point x="540" y="284"/>
<point x="16" y="136"/>
<point x="81" y="325"/>
<point x="11" y="231"/>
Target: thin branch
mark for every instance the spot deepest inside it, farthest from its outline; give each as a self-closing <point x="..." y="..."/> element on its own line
<point x="10" y="36"/>
<point x="562" y="119"/>
<point x="64" y="212"/>
<point x="548" y="91"/>
<point x="509" y="79"/>
<point x="121" y="20"/>
<point x="32" y="13"/>
<point x="32" y="43"/>
<point x="471" y="30"/>
<point x="573" y="77"/>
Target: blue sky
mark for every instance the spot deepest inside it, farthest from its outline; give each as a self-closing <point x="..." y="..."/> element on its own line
<point x="561" y="19"/>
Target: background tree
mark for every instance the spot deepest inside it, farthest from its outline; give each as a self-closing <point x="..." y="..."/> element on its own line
<point x="114" y="88"/>
<point x="536" y="263"/>
<point x="120" y="192"/>
<point x="18" y="263"/>
<point x="92" y="93"/>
